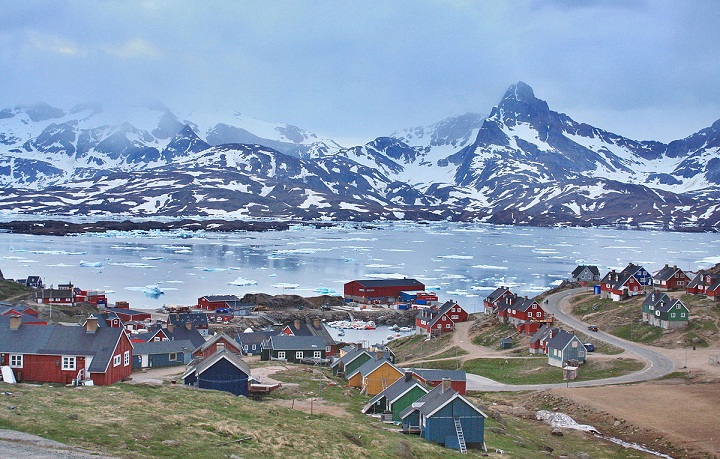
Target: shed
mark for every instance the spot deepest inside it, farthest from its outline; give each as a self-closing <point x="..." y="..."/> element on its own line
<point x="223" y="371"/>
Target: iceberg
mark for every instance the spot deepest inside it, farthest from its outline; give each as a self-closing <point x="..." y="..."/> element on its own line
<point x="91" y="264"/>
<point x="242" y="282"/>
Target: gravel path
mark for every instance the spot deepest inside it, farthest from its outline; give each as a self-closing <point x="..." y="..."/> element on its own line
<point x="19" y="445"/>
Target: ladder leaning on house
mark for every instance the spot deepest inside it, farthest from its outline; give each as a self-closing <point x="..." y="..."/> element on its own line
<point x="460" y="436"/>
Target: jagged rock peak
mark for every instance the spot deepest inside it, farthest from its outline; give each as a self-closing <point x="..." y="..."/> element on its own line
<point x="520" y="91"/>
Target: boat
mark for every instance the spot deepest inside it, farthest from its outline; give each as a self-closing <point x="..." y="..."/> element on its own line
<point x="405" y="329"/>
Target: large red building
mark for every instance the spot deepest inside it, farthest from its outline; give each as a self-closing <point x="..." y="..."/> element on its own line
<point x="63" y="354"/>
<point x="374" y="291"/>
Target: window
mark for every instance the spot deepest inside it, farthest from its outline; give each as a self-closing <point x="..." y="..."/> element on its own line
<point x="172" y="356"/>
<point x="68" y="363"/>
<point x="156" y="339"/>
<point x="682" y="314"/>
<point x="220" y="346"/>
<point x="116" y="360"/>
<point x="439" y="326"/>
<point x="245" y="347"/>
<point x="298" y="354"/>
<point x="574" y="344"/>
<point x="454" y="317"/>
<point x="672" y="315"/>
<point x="281" y="354"/>
<point x="317" y="354"/>
<point x="126" y="358"/>
<point x="448" y="325"/>
<point x="16" y="360"/>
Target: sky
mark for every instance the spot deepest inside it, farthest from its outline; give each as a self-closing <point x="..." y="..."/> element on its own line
<point x="356" y="70"/>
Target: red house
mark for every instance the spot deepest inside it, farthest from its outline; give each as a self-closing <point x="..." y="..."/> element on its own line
<point x="130" y="315"/>
<point x="432" y="377"/>
<point x="7" y="310"/>
<point x="217" y="343"/>
<point x="63" y="354"/>
<point x="670" y="278"/>
<point x="492" y="301"/>
<point x="705" y="283"/>
<point x="213" y="302"/>
<point x="522" y="310"/>
<point x="384" y="291"/>
<point x="431" y="321"/>
<point x="96" y="297"/>
<point x="620" y="285"/>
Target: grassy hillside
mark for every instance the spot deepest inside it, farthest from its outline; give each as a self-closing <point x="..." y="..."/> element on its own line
<point x="134" y="420"/>
<point x="10" y="290"/>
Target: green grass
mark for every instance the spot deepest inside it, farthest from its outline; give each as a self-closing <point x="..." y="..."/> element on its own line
<point x="640" y="333"/>
<point x="418" y="346"/>
<point x="10" y="289"/>
<point x="535" y="370"/>
<point x="491" y="337"/>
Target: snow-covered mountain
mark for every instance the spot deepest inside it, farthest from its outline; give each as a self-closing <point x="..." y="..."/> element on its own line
<point x="523" y="164"/>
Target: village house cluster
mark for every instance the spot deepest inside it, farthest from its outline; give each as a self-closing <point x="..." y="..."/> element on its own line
<point x="116" y="340"/>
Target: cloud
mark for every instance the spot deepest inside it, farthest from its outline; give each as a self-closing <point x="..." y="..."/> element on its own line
<point x="54" y="44"/>
<point x="132" y="49"/>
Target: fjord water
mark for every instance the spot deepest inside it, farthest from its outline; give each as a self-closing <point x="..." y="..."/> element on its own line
<point x="463" y="262"/>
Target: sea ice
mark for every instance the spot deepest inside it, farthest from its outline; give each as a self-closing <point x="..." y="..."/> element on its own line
<point x="91" y="264"/>
<point x="241" y="282"/>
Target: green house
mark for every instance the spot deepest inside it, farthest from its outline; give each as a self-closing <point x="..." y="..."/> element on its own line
<point x="397" y="397"/>
<point x="660" y="310"/>
<point x="350" y="362"/>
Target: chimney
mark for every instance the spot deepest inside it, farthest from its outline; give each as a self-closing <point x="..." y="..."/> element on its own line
<point x="91" y="324"/>
<point x="445" y="384"/>
<point x="666" y="265"/>
<point x="170" y="327"/>
<point x="15" y="321"/>
<point x="408" y="376"/>
<point x="379" y="354"/>
<point x="297" y="324"/>
<point x="316" y="323"/>
<point x="188" y="325"/>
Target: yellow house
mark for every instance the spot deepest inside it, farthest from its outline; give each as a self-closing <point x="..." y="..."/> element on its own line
<point x="374" y="376"/>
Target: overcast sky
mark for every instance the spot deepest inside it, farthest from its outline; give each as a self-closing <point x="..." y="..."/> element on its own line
<point x="357" y="70"/>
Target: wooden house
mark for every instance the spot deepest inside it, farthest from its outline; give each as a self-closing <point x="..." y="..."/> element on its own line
<point x="660" y="310"/>
<point x="433" y="378"/>
<point x="130" y="315"/>
<point x="60" y="296"/>
<point x="563" y="347"/>
<point x="9" y="309"/>
<point x="295" y="349"/>
<point x="313" y="327"/>
<point x="490" y="303"/>
<point x="431" y="321"/>
<point x="374" y="376"/>
<point x="351" y="361"/>
<point x="60" y="354"/>
<point x="444" y="416"/>
<point x="379" y="291"/>
<point x="670" y="278"/>
<point x="95" y="297"/>
<point x="705" y="283"/>
<point x="223" y="371"/>
<point x="253" y="343"/>
<point x="24" y="319"/>
<point x="538" y="341"/>
<point x="34" y="282"/>
<point x="199" y="320"/>
<point x="171" y="333"/>
<point x="585" y="273"/>
<point x="631" y="281"/>
<point x="154" y="354"/>
<point x="522" y="310"/>
<point x="396" y="398"/>
<point x="219" y="342"/>
<point x="214" y="302"/>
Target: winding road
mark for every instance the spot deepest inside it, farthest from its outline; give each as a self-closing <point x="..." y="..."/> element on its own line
<point x="657" y="364"/>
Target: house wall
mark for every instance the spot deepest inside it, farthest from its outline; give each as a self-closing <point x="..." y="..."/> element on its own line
<point x="381" y="379"/>
<point x="45" y="368"/>
<point x="356" y="363"/>
<point x="459" y="386"/>
<point x="399" y="405"/>
<point x="224" y="376"/>
<point x="357" y="292"/>
<point x="441" y="425"/>
<point x="116" y="373"/>
<point x="230" y="346"/>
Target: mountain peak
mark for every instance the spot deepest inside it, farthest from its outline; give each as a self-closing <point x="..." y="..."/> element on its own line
<point x="520" y="91"/>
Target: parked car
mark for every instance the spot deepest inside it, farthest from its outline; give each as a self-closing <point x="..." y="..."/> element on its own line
<point x="593" y="327"/>
<point x="590" y="347"/>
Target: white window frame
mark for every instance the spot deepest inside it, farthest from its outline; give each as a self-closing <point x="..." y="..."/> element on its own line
<point x="126" y="358"/>
<point x="299" y="355"/>
<point x="317" y="354"/>
<point x="117" y="360"/>
<point x="281" y="355"/>
<point x="172" y="356"/>
<point x="69" y="362"/>
<point x="16" y="360"/>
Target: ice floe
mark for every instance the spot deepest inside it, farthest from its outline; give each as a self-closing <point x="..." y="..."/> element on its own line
<point x="91" y="264"/>
<point x="242" y="282"/>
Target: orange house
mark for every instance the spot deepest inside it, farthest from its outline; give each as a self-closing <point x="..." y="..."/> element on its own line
<point x="374" y="376"/>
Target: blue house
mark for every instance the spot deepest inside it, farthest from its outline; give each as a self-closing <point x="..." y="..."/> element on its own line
<point x="565" y="346"/>
<point x="446" y="417"/>
<point x="153" y="354"/>
<point x="221" y="371"/>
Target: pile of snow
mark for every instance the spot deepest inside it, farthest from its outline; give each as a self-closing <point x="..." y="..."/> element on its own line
<point x="562" y="420"/>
